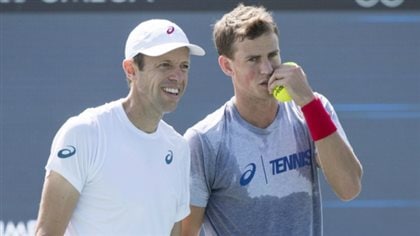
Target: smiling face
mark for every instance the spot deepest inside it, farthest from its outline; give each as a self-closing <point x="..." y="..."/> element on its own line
<point x="159" y="86"/>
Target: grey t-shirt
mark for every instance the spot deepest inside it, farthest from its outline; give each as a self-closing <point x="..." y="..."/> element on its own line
<point x="256" y="181"/>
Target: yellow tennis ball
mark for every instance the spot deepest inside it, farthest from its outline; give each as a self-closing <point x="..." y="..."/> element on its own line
<point x="280" y="92"/>
<point x="290" y="63"/>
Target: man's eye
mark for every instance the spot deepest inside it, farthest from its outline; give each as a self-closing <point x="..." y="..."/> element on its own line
<point x="252" y="59"/>
<point x="185" y="67"/>
<point x="165" y="65"/>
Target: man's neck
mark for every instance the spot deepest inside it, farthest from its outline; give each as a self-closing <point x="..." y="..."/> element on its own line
<point x="141" y="117"/>
<point x="258" y="113"/>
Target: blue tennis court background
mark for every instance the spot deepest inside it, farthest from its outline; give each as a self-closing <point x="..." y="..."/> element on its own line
<point x="53" y="66"/>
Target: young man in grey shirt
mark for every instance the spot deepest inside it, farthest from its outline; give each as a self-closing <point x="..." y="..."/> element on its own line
<point x="255" y="160"/>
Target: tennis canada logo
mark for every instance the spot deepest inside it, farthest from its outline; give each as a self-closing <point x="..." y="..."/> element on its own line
<point x="277" y="166"/>
<point x="372" y="3"/>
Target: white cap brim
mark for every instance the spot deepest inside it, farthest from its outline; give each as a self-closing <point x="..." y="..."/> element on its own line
<point x="165" y="48"/>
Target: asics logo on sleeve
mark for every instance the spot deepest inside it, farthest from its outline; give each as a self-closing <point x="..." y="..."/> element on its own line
<point x="66" y="152"/>
<point x="169" y="157"/>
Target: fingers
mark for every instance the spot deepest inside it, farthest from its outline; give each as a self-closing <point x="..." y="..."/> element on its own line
<point x="282" y="75"/>
<point x="292" y="77"/>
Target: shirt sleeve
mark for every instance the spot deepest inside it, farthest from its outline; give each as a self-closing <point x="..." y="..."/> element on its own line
<point x="200" y="177"/>
<point x="184" y="202"/>
<point x="72" y="152"/>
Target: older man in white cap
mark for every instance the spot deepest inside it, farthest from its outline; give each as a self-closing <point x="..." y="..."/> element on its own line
<point x="119" y="169"/>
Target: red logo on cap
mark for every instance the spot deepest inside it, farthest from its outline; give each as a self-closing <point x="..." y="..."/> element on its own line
<point x="170" y="30"/>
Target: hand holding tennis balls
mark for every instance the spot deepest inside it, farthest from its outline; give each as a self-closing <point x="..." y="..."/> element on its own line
<point x="280" y="92"/>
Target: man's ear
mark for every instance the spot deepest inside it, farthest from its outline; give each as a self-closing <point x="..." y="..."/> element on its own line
<point x="226" y="65"/>
<point x="128" y="67"/>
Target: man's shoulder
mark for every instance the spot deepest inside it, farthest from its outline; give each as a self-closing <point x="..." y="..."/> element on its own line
<point x="212" y="121"/>
<point x="170" y="131"/>
<point x="90" y="117"/>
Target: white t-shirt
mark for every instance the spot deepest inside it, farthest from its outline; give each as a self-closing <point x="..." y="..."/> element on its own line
<point x="130" y="182"/>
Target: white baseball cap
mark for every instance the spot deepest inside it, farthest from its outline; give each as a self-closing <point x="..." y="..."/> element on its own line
<point x="156" y="37"/>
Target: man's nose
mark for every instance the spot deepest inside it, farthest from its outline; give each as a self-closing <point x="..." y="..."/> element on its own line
<point x="177" y="74"/>
<point x="266" y="68"/>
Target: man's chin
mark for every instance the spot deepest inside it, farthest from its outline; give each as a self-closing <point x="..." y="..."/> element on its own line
<point x="169" y="109"/>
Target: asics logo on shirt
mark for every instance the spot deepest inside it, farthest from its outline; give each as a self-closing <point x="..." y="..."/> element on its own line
<point x="169" y="157"/>
<point x="66" y="152"/>
<point x="248" y="174"/>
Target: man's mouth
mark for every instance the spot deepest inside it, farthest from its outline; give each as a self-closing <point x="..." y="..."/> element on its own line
<point x="264" y="83"/>
<point x="174" y="91"/>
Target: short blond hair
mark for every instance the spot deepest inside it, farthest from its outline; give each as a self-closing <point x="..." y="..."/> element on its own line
<point x="243" y="22"/>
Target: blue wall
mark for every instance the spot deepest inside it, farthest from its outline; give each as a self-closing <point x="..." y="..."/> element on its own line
<point x="53" y="66"/>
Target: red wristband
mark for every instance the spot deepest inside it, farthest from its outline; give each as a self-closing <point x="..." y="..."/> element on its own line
<point x="319" y="121"/>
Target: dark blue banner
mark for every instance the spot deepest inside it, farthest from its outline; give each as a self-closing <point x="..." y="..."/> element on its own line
<point x="199" y="5"/>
